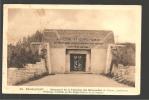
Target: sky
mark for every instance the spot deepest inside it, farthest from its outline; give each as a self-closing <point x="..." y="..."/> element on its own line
<point x="123" y="22"/>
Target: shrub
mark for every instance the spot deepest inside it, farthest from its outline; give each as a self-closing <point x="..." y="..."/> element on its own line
<point x="21" y="54"/>
<point x="124" y="54"/>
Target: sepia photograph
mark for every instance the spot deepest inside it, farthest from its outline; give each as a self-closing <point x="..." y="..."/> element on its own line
<point x="72" y="49"/>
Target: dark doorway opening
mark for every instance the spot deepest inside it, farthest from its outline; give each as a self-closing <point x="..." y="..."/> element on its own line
<point x="77" y="62"/>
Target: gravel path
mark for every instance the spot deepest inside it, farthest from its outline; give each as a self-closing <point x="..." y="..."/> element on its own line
<point x="75" y="80"/>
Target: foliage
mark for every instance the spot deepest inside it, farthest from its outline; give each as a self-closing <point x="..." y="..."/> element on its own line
<point x="124" y="53"/>
<point x="21" y="54"/>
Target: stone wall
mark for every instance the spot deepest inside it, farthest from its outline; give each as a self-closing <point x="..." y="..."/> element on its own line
<point x="29" y="72"/>
<point x="123" y="69"/>
<point x="124" y="74"/>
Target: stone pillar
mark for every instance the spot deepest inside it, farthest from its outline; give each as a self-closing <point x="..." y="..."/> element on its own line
<point x="108" y="60"/>
<point x="67" y="68"/>
<point x="48" y="57"/>
<point x="88" y="69"/>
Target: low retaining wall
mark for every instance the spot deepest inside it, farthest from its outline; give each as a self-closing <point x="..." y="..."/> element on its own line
<point x="30" y="71"/>
<point x="124" y="74"/>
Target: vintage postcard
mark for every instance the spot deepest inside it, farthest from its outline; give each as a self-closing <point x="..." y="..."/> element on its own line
<point x="71" y="49"/>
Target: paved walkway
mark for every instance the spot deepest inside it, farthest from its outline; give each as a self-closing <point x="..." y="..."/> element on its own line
<point x="75" y="80"/>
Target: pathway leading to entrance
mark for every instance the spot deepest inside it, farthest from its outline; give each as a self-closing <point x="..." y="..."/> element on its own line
<point x="75" y="80"/>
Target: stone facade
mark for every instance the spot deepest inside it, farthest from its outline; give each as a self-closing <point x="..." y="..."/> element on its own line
<point x="61" y="44"/>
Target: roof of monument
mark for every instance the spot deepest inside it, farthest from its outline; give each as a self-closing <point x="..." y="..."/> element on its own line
<point x="101" y="35"/>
